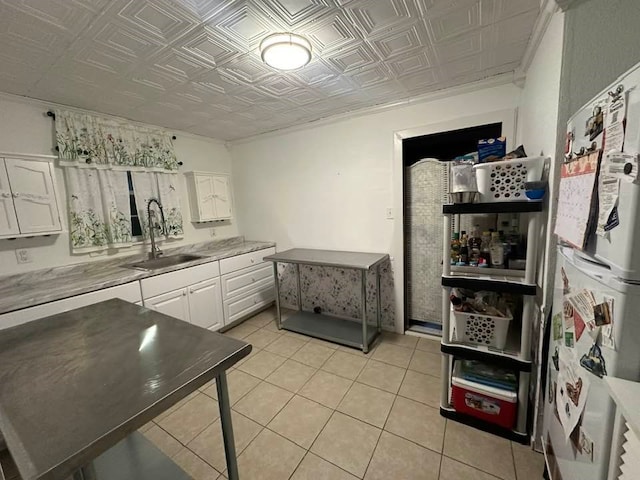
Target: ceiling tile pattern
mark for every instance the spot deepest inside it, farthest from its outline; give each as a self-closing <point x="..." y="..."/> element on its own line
<point x="194" y="65"/>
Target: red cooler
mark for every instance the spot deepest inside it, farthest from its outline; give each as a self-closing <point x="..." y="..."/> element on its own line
<point x="491" y="404"/>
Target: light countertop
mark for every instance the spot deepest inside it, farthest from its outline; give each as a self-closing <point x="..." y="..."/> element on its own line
<point x="50" y="284"/>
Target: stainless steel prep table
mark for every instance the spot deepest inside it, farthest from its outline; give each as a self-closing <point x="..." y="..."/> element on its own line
<point x="75" y="387"/>
<point x="327" y="327"/>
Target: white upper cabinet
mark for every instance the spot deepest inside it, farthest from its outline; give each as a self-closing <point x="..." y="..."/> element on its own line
<point x="209" y="196"/>
<point x="8" y="218"/>
<point x="28" y="204"/>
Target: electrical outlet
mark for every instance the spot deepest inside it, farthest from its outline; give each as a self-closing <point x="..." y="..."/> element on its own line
<point x="212" y="232"/>
<point x="24" y="255"/>
<point x="389" y="213"/>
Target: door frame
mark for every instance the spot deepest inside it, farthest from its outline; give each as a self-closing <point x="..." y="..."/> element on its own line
<point x="508" y="118"/>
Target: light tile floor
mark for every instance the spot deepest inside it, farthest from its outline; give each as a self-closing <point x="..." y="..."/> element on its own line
<point x="308" y="409"/>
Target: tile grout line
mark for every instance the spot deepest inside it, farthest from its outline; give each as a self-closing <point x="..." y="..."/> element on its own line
<point x="383" y="426"/>
<point x="513" y="460"/>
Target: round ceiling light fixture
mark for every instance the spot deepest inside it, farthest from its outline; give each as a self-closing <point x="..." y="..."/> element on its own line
<point x="285" y="51"/>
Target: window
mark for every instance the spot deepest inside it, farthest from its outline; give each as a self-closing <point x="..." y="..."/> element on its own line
<point x="136" y="227"/>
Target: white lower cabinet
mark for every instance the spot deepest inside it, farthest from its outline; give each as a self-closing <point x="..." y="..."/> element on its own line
<point x="247" y="284"/>
<point x="129" y="292"/>
<point x="205" y="304"/>
<point x="174" y="304"/>
<point x="191" y="294"/>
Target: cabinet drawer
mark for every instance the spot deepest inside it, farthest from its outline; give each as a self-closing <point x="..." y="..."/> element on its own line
<point x="241" y="307"/>
<point x="167" y="282"/>
<point x="245" y="260"/>
<point x="242" y="281"/>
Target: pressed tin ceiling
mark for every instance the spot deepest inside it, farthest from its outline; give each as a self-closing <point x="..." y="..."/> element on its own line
<point x="194" y="65"/>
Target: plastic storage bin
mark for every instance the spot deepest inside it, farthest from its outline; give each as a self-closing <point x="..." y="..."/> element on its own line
<point x="504" y="181"/>
<point x="490" y="404"/>
<point x="481" y="329"/>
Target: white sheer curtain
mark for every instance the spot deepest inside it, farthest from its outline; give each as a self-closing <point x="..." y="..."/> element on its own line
<point x="168" y="191"/>
<point x="98" y="221"/>
<point x="96" y="153"/>
<point x="163" y="187"/>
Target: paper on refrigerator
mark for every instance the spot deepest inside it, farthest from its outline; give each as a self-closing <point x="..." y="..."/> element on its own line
<point x="583" y="314"/>
<point x="614" y="123"/>
<point x="623" y="166"/>
<point x="571" y="391"/>
<point x="608" y="193"/>
<point x="607" y="331"/>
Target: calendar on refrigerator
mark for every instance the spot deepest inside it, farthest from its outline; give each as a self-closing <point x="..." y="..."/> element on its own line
<point x="576" y="205"/>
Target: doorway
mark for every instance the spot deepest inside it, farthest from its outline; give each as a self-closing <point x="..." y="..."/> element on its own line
<point x="425" y="189"/>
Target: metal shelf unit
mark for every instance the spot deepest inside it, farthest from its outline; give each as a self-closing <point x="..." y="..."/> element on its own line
<point x="517" y="353"/>
<point x="338" y="330"/>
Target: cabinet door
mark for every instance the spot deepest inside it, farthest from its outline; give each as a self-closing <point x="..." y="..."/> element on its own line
<point x="173" y="303"/>
<point x="206" y="200"/>
<point x="222" y="197"/>
<point x="33" y="195"/>
<point x="205" y="304"/>
<point x="8" y="219"/>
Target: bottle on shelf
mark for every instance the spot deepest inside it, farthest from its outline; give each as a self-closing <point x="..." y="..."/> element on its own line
<point x="475" y="243"/>
<point x="455" y="248"/>
<point x="497" y="251"/>
<point x="464" y="250"/>
<point x="485" y="250"/>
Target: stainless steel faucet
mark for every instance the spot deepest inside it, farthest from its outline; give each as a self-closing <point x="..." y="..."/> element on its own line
<point x="155" y="251"/>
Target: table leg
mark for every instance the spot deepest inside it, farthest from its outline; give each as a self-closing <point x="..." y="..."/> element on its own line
<point x="277" y="284"/>
<point x="298" y="286"/>
<point x="365" y="343"/>
<point x="227" y="427"/>
<point x="379" y="299"/>
<point x="88" y="472"/>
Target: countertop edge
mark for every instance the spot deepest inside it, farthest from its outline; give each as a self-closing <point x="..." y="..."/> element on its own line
<point x="132" y="275"/>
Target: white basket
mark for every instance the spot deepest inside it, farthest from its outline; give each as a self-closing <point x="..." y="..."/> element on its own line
<point x="481" y="329"/>
<point x="504" y="181"/>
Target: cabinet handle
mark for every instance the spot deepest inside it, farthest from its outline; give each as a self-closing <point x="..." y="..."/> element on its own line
<point x="255" y="300"/>
<point x="184" y="294"/>
<point x="253" y="261"/>
<point x="6" y="195"/>
<point x="253" y="279"/>
<point x="192" y="291"/>
<point x="16" y="195"/>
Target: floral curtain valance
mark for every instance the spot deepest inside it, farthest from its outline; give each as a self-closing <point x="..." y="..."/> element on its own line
<point x="88" y="140"/>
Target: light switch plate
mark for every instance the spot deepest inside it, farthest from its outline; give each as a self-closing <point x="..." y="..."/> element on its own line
<point x="23" y="255"/>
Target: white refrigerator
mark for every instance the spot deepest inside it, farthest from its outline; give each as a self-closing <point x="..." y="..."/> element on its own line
<point x="595" y="321"/>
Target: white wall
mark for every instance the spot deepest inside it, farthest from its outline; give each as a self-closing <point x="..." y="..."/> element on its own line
<point x="328" y="186"/>
<point x="538" y="113"/>
<point x="25" y="128"/>
<point x="538" y="127"/>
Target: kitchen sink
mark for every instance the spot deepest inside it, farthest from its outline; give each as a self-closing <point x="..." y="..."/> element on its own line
<point x="163" y="262"/>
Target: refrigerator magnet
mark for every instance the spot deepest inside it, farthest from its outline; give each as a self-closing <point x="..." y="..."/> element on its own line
<point x="607" y="338"/>
<point x="567" y="314"/>
<point x="557" y="327"/>
<point x="568" y="339"/>
<point x="594" y="362"/>
<point x="565" y="282"/>
<point x="595" y="123"/>
<point x="585" y="444"/>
